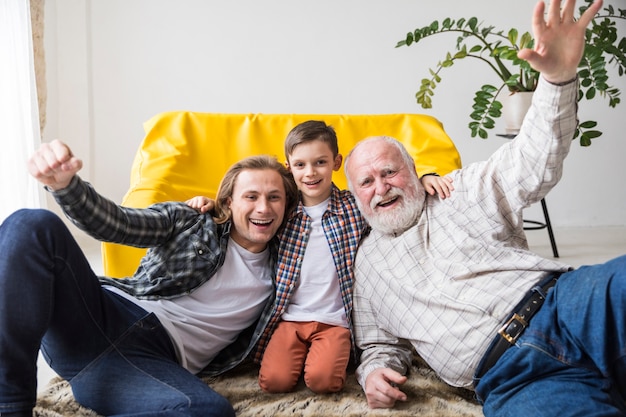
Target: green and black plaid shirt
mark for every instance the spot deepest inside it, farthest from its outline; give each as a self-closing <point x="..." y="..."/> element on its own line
<point x="185" y="250"/>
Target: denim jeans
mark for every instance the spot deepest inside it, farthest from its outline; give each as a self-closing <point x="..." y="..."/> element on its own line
<point x="118" y="358"/>
<point x="571" y="360"/>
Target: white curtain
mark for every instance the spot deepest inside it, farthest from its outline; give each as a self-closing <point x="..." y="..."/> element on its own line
<point x="19" y="112"/>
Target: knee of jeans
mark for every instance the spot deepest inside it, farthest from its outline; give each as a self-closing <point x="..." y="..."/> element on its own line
<point x="27" y="230"/>
<point x="621" y="264"/>
<point x="32" y="216"/>
<point x="20" y="229"/>
<point x="29" y="220"/>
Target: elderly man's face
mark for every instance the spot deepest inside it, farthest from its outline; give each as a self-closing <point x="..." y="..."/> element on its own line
<point x="258" y="207"/>
<point x="387" y="191"/>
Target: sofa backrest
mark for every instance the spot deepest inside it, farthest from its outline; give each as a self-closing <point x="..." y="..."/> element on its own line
<point x="185" y="154"/>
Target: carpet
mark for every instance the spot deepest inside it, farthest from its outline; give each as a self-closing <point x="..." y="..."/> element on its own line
<point x="427" y="395"/>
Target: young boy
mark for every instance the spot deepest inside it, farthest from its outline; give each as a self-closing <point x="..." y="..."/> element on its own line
<point x="311" y="325"/>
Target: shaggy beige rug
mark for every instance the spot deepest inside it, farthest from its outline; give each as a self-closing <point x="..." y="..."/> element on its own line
<point x="428" y="397"/>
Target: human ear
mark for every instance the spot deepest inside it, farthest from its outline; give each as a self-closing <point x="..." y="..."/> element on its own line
<point x="337" y="162"/>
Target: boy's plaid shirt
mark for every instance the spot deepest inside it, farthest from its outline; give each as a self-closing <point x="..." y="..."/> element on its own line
<point x="343" y="226"/>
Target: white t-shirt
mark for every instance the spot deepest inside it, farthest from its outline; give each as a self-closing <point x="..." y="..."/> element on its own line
<point x="204" y="322"/>
<point x="317" y="296"/>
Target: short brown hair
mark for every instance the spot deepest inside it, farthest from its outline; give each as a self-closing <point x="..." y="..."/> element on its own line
<point x="259" y="162"/>
<point x="309" y="131"/>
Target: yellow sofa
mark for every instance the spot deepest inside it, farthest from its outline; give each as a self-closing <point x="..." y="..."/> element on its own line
<point x="185" y="154"/>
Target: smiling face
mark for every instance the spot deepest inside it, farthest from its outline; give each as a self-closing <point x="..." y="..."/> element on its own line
<point x="257" y="205"/>
<point x="385" y="186"/>
<point x="312" y="164"/>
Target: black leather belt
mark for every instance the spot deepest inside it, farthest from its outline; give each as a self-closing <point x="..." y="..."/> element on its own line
<point x="516" y="324"/>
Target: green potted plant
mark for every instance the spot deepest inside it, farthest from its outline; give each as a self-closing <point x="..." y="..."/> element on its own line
<point x="498" y="50"/>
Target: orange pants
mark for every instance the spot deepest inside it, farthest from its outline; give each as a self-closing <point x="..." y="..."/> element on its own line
<point x="323" y="351"/>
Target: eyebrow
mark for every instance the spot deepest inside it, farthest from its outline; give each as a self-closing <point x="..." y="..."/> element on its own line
<point x="255" y="191"/>
<point x="361" y="180"/>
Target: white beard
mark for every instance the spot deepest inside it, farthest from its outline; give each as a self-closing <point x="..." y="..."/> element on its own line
<point x="401" y="218"/>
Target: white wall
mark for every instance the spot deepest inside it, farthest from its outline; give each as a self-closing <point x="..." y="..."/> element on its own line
<point x="112" y="64"/>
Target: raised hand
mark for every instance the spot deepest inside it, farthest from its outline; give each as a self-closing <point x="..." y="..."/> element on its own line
<point x="54" y="165"/>
<point x="559" y="39"/>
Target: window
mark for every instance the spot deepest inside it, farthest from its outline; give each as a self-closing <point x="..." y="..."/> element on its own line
<point x="19" y="109"/>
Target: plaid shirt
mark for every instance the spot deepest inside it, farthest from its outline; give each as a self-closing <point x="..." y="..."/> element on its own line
<point x="343" y="226"/>
<point x="186" y="249"/>
<point x="446" y="285"/>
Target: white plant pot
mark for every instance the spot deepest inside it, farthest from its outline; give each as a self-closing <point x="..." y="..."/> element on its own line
<point x="514" y="109"/>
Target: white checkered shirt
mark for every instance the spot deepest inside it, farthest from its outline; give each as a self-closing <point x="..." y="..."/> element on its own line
<point x="447" y="284"/>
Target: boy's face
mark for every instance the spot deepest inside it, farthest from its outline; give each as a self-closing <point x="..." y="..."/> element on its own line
<point x="258" y="207"/>
<point x="312" y="165"/>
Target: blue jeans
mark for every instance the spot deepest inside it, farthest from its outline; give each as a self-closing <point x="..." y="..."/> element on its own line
<point x="571" y="360"/>
<point x="117" y="357"/>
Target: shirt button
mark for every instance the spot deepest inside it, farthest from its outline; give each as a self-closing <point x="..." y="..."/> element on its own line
<point x="421" y="262"/>
<point x="200" y="251"/>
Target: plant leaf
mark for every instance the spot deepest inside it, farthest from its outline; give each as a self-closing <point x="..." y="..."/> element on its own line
<point x="588" y="124"/>
<point x="472" y="22"/>
<point x="591" y="93"/>
<point x="513" y="36"/>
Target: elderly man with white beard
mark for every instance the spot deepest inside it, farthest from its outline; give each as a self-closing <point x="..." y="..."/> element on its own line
<point x="453" y="279"/>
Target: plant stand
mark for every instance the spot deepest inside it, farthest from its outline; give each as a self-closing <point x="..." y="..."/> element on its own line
<point x="536" y="225"/>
